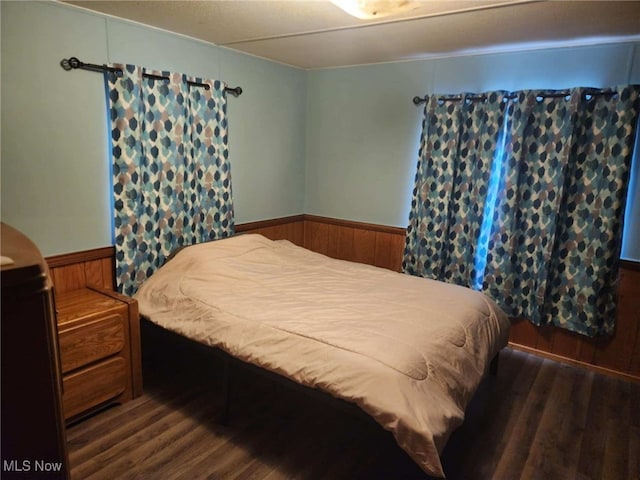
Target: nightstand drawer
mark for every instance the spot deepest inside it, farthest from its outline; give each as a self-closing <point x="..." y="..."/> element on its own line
<point x="94" y="385"/>
<point x="88" y="343"/>
<point x="99" y="338"/>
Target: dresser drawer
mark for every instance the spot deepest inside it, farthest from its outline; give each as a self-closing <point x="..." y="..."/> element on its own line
<point x="93" y="341"/>
<point x="94" y="385"/>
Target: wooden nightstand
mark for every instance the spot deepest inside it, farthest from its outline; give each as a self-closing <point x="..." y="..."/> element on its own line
<point x="99" y="337"/>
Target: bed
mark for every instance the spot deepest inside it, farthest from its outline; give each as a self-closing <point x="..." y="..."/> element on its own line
<point x="408" y="351"/>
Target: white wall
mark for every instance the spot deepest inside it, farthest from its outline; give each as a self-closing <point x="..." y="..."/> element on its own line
<point x="363" y="131"/>
<point x="631" y="237"/>
<point x="338" y="142"/>
<point x="54" y="167"/>
<point x="55" y="164"/>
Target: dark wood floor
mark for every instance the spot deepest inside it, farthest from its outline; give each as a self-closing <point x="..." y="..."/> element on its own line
<point x="536" y="419"/>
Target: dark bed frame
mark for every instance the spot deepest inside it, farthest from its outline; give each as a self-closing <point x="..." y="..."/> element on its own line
<point x="229" y="363"/>
<point x="152" y="333"/>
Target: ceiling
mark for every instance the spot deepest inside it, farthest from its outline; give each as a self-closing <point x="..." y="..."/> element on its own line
<point x="317" y="34"/>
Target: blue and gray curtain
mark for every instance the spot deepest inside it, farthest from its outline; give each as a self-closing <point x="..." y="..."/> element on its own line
<point x="521" y="195"/>
<point x="171" y="175"/>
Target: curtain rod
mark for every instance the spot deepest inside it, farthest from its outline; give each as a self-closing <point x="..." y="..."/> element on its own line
<point x="73" y="63"/>
<point x="457" y="98"/>
<point x="588" y="93"/>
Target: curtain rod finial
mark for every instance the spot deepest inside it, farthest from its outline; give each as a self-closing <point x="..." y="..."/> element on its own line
<point x="418" y="100"/>
<point x="70" y="63"/>
<point x="236" y="92"/>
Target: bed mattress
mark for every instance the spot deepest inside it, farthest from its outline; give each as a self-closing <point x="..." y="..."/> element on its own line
<point x="408" y="351"/>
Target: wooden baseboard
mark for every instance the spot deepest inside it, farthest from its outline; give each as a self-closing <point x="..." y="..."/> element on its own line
<point x="274" y="222"/>
<point x="630" y="265"/>
<point x="65" y="259"/>
<point x="575" y="363"/>
<point x="372" y="227"/>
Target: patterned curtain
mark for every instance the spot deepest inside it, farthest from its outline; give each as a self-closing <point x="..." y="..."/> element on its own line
<point x="172" y="182"/>
<point x="526" y="213"/>
<point x="545" y="231"/>
<point x="452" y="183"/>
<point x="557" y="230"/>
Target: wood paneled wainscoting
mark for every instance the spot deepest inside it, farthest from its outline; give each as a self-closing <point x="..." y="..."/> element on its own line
<point x="377" y="245"/>
<point x="89" y="268"/>
<point x="382" y="246"/>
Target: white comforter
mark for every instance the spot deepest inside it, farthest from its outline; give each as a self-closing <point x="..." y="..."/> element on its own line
<point x="409" y="351"/>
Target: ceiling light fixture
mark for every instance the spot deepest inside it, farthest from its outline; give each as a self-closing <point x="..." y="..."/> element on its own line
<point x="368" y="9"/>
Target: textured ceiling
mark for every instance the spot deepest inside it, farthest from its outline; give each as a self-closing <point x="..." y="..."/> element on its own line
<point x="317" y="34"/>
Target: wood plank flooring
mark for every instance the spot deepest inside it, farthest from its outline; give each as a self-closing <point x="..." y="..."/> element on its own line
<point x="536" y="419"/>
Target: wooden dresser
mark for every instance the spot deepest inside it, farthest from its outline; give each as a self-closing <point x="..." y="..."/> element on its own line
<point x="33" y="435"/>
<point x="99" y="336"/>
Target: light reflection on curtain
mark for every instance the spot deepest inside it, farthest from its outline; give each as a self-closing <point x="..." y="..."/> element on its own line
<point x="526" y="213"/>
<point x="172" y="183"/>
<point x="453" y="179"/>
<point x="553" y="228"/>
